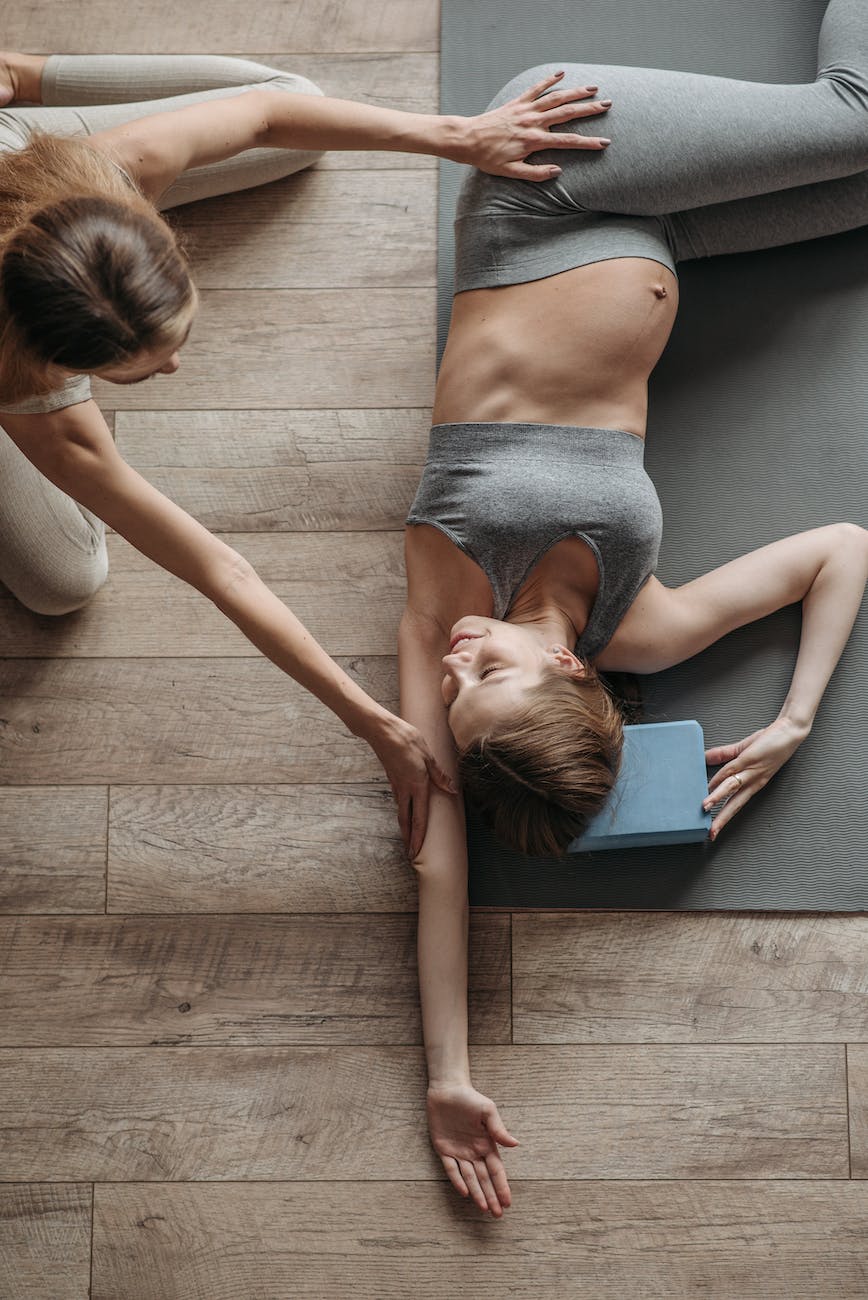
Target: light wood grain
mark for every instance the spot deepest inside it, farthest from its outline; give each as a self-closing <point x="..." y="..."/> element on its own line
<point x="689" y="977"/>
<point x="44" y="1242"/>
<point x="329" y="443"/>
<point x="175" y="1114"/>
<point x="275" y="348"/>
<point x="857" y="1087"/>
<point x="388" y="1241"/>
<point x="53" y="854"/>
<point x="278" y="848"/>
<point x="235" y="981"/>
<point x="92" y="26"/>
<point x="347" y="588"/>
<point x="329" y="228"/>
<point x="162" y="721"/>
<point x="281" y="471"/>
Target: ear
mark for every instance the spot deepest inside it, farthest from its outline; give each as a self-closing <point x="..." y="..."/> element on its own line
<point x="567" y="663"/>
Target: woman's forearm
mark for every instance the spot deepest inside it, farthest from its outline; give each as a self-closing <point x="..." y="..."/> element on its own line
<point x="275" y="630"/>
<point x="443" y="918"/>
<point x="311" y="122"/>
<point x="829" y="610"/>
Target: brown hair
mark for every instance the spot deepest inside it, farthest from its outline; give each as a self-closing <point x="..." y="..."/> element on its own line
<point x="90" y="274"/>
<point x="538" y="776"/>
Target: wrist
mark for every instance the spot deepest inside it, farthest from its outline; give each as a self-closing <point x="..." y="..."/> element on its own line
<point x="796" y="720"/>
<point x="453" y="138"/>
<point x="26" y="72"/>
<point x="370" y="722"/>
<point x="445" y="1083"/>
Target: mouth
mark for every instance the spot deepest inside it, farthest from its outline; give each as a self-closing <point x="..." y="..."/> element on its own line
<point x="460" y="637"/>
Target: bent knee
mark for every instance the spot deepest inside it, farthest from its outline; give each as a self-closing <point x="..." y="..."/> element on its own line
<point x="293" y="84"/>
<point x="56" y="594"/>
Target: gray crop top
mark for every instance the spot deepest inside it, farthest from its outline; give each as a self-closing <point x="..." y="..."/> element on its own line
<point x="506" y="493"/>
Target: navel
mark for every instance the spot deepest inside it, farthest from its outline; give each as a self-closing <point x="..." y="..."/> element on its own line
<point x="659" y="290"/>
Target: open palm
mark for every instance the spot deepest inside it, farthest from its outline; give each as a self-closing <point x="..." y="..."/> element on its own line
<point x="465" y="1131"/>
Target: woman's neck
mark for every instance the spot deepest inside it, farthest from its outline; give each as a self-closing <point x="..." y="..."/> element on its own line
<point x="546" y="620"/>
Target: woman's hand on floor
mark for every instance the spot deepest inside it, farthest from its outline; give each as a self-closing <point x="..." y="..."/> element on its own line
<point x="410" y="767"/>
<point x="499" y="141"/>
<point x="748" y="765"/>
<point x="465" y="1131"/>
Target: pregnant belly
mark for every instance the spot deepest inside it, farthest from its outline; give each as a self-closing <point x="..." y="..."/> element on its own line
<point x="575" y="348"/>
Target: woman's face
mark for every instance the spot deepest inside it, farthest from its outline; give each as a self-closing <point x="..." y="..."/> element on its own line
<point x="489" y="667"/>
<point x="142" y="366"/>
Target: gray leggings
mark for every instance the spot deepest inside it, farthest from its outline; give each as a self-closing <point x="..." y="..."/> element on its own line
<point x="705" y="165"/>
<point x="52" y="551"/>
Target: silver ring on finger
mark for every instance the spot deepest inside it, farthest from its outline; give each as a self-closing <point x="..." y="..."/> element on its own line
<point x="736" y="777"/>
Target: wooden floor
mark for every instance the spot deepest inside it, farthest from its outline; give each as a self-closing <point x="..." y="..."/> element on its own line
<point x="211" y="1079"/>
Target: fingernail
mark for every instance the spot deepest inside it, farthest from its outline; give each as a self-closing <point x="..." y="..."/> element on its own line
<point x="605" y="143"/>
<point x="554" y="171"/>
<point x="606" y="103"/>
<point x="592" y="89"/>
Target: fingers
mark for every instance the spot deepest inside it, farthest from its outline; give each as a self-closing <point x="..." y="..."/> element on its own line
<point x="726" y="814"/>
<point x="723" y="786"/>
<point x="419" y="816"/>
<point x="726" y="753"/>
<point x="454" y="1175"/>
<point x="478" y="1180"/>
<point x="404" y="808"/>
<point x="496" y="1129"/>
<point x="580" y="92"/>
<point x="548" y="171"/>
<point x="499" y="1179"/>
<point x="441" y="778"/>
<point x="567" y="112"/>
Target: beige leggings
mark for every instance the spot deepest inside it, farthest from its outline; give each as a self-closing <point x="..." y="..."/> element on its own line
<point x="52" y="551"/>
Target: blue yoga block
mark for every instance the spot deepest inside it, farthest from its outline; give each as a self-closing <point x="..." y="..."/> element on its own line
<point x="658" y="796"/>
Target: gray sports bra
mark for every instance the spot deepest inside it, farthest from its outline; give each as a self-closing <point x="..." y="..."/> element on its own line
<point x="506" y="493"/>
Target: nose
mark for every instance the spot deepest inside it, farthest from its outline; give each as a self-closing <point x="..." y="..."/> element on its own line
<point x="171" y="365"/>
<point x="465" y="654"/>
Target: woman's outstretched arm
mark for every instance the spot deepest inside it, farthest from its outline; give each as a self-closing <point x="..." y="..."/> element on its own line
<point x="73" y="448"/>
<point x="826" y="569"/>
<point x="156" y="149"/>
<point x="464" y="1124"/>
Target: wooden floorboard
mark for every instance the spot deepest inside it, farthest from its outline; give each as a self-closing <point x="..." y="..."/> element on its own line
<point x="297" y="233"/>
<point x="232" y="981"/>
<point x="159" y="721"/>
<point x="188" y="1113"/>
<point x="337" y="347"/>
<point x="387" y="1241"/>
<point x="163" y="27"/>
<point x="347" y="589"/>
<point x="53" y="848"/>
<point x="689" y="977"/>
<point x="256" y="848"/>
<point x="45" y="1239"/>
<point x="282" y="471"/>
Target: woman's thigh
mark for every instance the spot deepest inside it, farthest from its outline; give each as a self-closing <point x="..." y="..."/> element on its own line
<point x="52" y="551"/>
<point x="157" y="84"/>
<point x="682" y="140"/>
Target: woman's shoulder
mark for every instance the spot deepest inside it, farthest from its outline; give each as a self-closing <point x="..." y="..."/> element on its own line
<point x="634" y="644"/>
<point x="75" y="389"/>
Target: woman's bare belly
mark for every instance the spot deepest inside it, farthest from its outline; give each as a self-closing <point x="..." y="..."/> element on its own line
<point x="576" y="348"/>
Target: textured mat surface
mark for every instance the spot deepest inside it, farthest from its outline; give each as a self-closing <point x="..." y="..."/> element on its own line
<point x="758" y="429"/>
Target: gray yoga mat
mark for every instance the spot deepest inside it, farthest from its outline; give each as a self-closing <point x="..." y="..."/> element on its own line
<point x="758" y="428"/>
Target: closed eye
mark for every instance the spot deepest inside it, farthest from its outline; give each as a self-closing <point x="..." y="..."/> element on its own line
<point x="492" y="668"/>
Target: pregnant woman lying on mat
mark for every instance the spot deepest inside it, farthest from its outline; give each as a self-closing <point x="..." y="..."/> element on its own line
<point x="93" y="282"/>
<point x="535" y="531"/>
